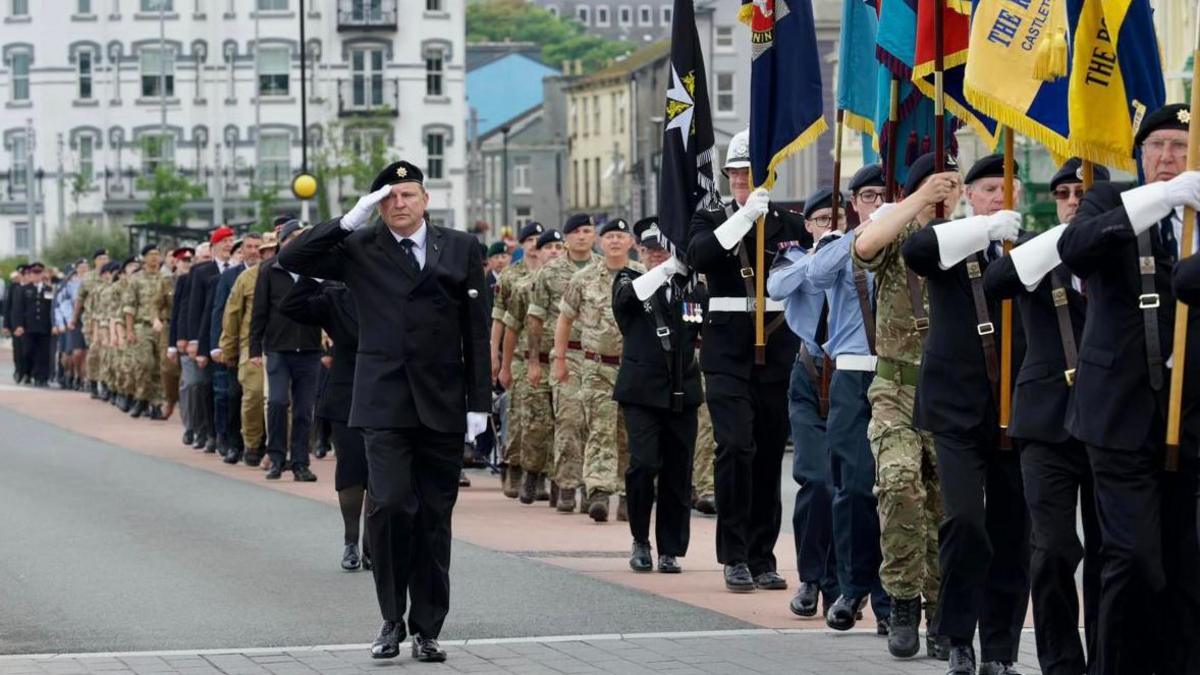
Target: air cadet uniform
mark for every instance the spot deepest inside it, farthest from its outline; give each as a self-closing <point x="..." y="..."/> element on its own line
<point x="235" y="346"/>
<point x="143" y="312"/>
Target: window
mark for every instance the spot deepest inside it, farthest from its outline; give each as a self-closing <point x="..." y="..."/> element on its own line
<point x="20" y="7"/>
<point x="602" y="15"/>
<point x="596" y="113"/>
<point x="596" y="175"/>
<point x="158" y="72"/>
<point x="583" y="14"/>
<point x="85" y="74"/>
<point x="157" y="151"/>
<point x="274" y="65"/>
<point x="645" y="17"/>
<point x="20" y="76"/>
<point x="434" y="62"/>
<point x="20" y="168"/>
<point x="584" y="102"/>
<point x="665" y="13"/>
<point x="84" y="7"/>
<point x="613" y="107"/>
<point x="524" y="216"/>
<point x="553" y="9"/>
<point x="724" y="38"/>
<point x="620" y="112"/>
<point x="274" y="158"/>
<point x="435" y="150"/>
<point x="625" y="15"/>
<point x="87" y="147"/>
<point x="724" y="92"/>
<point x="272" y="5"/>
<point x="575" y="181"/>
<point x="362" y="141"/>
<point x="21" y="237"/>
<point x="520" y="175"/>
<point x="433" y="5"/>
<point x="587" y="185"/>
<point x="366" y="78"/>
<point x="156" y="5"/>
<point x="574" y="130"/>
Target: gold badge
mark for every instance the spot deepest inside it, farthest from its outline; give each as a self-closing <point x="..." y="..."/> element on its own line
<point x="1184" y="116"/>
<point x="1079" y="173"/>
<point x="401" y="172"/>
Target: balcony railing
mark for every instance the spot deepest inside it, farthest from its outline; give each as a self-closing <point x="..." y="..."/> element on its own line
<point x="367" y="15"/>
<point x="366" y="95"/>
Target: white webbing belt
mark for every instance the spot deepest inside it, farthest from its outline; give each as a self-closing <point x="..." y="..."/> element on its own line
<point x="858" y="362"/>
<point x="741" y="305"/>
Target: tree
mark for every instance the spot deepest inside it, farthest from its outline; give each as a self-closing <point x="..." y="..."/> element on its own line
<point x="266" y="198"/>
<point x="169" y="191"/>
<point x="561" y="39"/>
<point x="81" y="238"/>
<point x="351" y="154"/>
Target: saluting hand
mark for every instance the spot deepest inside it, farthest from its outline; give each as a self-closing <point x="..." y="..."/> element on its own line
<point x="361" y="213"/>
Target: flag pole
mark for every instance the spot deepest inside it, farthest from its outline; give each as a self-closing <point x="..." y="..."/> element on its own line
<point x="939" y="96"/>
<point x="760" y="274"/>
<point x="839" y="117"/>
<point x="1006" y="309"/>
<point x="893" y="123"/>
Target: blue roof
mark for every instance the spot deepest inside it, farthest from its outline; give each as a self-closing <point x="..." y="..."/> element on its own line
<point x="505" y="88"/>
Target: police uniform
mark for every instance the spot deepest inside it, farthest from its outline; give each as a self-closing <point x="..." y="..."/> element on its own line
<point x="32" y="315"/>
<point x="658" y="389"/>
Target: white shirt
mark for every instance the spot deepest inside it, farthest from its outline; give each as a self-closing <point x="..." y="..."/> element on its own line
<point x="1177" y="222"/>
<point x="419" y="239"/>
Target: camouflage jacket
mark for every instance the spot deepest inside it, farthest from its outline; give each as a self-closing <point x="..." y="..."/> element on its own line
<point x="896" y="336"/>
<point x="549" y="286"/>
<point x="504" y="289"/>
<point x="588" y="301"/>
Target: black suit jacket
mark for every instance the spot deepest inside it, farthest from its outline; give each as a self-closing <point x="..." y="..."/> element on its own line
<point x="1114" y="406"/>
<point x="647" y="375"/>
<point x="728" y="346"/>
<point x="192" y="315"/>
<point x="270" y="329"/>
<point x="31" y="309"/>
<point x="1187" y="281"/>
<point x="214" y="307"/>
<point x="183" y="287"/>
<point x="423" y="354"/>
<point x="1041" y="395"/>
<point x="329" y="306"/>
<point x="954" y="393"/>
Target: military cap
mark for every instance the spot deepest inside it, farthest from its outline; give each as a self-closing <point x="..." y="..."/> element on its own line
<point x="398" y="172"/>
<point x="1072" y="172"/>
<point x="549" y="237"/>
<point x="183" y="251"/>
<point x="289" y="228"/>
<point x="922" y="168"/>
<point x="36" y="266"/>
<point x="576" y="221"/>
<point x="530" y="230"/>
<point x="615" y="225"/>
<point x="148" y="248"/>
<point x="1172" y="116"/>
<point x="131" y="260"/>
<point x="110" y="267"/>
<point x="821" y="199"/>
<point x="269" y="240"/>
<point x="868" y="176"/>
<point x="497" y="248"/>
<point x="648" y="234"/>
<point x="99" y="252"/>
<point x="737" y="155"/>
<point x="220" y="234"/>
<point x="280" y="220"/>
<point x="990" y="166"/>
<point x="22" y="268"/>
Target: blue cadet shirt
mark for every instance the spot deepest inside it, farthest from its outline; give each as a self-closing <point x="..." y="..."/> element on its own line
<point x="789" y="283"/>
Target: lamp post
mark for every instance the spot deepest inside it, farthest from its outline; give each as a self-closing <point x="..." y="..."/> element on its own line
<point x="504" y="174"/>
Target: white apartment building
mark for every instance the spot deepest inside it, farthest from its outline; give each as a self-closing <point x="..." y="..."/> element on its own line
<point x="96" y="94"/>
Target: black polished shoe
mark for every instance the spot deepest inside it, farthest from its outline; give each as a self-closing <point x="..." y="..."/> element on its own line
<point x="201" y="441"/>
<point x="301" y="474"/>
<point x="639" y="560"/>
<point x="936" y="646"/>
<point x="770" y="581"/>
<point x="883" y="627"/>
<point x="253" y="457"/>
<point x="427" y="650"/>
<point x="366" y="559"/>
<point x="804" y="602"/>
<point x="211" y="446"/>
<point x="275" y="471"/>
<point x="997" y="668"/>
<point x="387" y="645"/>
<point x="188" y="437"/>
<point x="706" y="504"/>
<point x="738" y="579"/>
<point x="321" y="449"/>
<point x="233" y="455"/>
<point x="962" y="660"/>
<point x="667" y="564"/>
<point x="904" y="640"/>
<point x="156" y="413"/>
<point x="844" y="612"/>
<point x="139" y="409"/>
<point x="350" y="559"/>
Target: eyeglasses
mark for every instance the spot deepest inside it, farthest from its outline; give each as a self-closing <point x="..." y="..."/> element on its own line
<point x="870" y="196"/>
<point x="821" y="221"/>
<point x="1158" y="146"/>
<point x="1063" y="192"/>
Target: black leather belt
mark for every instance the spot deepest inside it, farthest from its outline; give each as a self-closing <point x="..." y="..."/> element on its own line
<point x="1148" y="302"/>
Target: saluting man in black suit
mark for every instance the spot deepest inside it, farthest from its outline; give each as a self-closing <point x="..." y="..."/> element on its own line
<point x="422" y="379"/>
<point x="1123" y="243"/>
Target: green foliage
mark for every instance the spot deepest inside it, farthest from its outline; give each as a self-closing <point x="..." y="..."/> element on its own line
<point x="81" y="238"/>
<point x="9" y="265"/>
<point x="266" y="198"/>
<point x="351" y="154"/>
<point x="169" y="191"/>
<point x="561" y="39"/>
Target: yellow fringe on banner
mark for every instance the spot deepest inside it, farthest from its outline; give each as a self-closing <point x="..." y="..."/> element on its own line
<point x="864" y="125"/>
<point x="808" y="136"/>
<point x="1004" y="114"/>
<point x="746" y="13"/>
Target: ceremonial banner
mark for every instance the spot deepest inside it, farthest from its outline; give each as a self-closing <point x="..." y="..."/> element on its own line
<point x="1016" y="68"/>
<point x="786" y="101"/>
<point x="686" y="178"/>
<point x="1115" y="67"/>
<point x="857" y="67"/>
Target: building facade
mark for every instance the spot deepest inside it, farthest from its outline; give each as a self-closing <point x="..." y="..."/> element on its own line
<point x="97" y="97"/>
<point x="639" y="21"/>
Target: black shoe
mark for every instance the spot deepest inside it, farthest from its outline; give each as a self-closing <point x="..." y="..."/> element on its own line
<point x="904" y="641"/>
<point x="640" y="560"/>
<point x="94" y="389"/>
<point x="201" y="441"/>
<point x="936" y="646"/>
<point x="156" y="413"/>
<point x="275" y="471"/>
<point x="105" y="394"/>
<point x="962" y="660"/>
<point x="233" y="456"/>
<point x="463" y="481"/>
<point x="366" y="559"/>
<point x="302" y="475"/>
<point x="188" y="437"/>
<point x="770" y="581"/>
<point x="321" y="450"/>
<point x="253" y="458"/>
<point x="350" y="559"/>
<point x="738" y="579"/>
<point x="997" y="668"/>
<point x="707" y="504"/>
<point x="427" y="650"/>
<point x="387" y="645"/>
<point x="211" y="446"/>
<point x="804" y="602"/>
<point x="844" y="612"/>
<point x="883" y="627"/>
<point x="667" y="564"/>
<point x="124" y="404"/>
<point x="139" y="409"/>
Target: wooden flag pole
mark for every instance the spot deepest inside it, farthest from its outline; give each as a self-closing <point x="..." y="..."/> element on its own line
<point x="760" y="274"/>
<point x="837" y="169"/>
<point x="939" y="97"/>
<point x="891" y="189"/>
<point x="1006" y="309"/>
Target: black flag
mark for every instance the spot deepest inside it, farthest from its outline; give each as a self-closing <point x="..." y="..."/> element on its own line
<point x="686" y="177"/>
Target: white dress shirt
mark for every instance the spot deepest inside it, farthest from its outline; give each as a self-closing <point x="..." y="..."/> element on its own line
<point x="419" y="239"/>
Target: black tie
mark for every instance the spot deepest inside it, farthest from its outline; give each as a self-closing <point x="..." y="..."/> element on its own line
<point x="410" y="258"/>
<point x="1166" y="229"/>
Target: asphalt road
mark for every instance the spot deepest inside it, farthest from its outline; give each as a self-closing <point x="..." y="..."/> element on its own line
<point x="104" y="549"/>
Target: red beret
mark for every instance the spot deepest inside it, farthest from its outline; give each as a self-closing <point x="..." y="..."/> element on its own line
<point x="222" y="232"/>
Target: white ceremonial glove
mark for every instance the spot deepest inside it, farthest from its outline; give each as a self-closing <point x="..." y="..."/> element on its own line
<point x="1035" y="258"/>
<point x="731" y="231"/>
<point x="361" y="213"/>
<point x="960" y="238"/>
<point x="1004" y="226"/>
<point x="1146" y="205"/>
<point x="476" y="424"/>
<point x="645" y="285"/>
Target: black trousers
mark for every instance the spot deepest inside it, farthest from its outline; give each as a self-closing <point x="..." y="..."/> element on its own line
<point x="292" y="381"/>
<point x="661" y="445"/>
<point x="412" y="485"/>
<point x="200" y="402"/>
<point x="20" y="363"/>
<point x="37" y="350"/>
<point x="1057" y="477"/>
<point x="983" y="542"/>
<point x="812" y="513"/>
<point x="350" y="469"/>
<point x="750" y="425"/>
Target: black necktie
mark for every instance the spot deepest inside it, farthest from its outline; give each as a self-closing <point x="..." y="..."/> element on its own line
<point x="1166" y="230"/>
<point x="410" y="258"/>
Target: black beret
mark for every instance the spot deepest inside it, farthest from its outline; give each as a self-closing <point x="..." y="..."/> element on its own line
<point x="870" y="175"/>
<point x="615" y="225"/>
<point x="648" y="234"/>
<point x="530" y="230"/>
<point x="922" y="168"/>
<point x="127" y="261"/>
<point x="22" y="268"/>
<point x="110" y="267"/>
<point x="288" y="229"/>
<point x="497" y="248"/>
<point x="397" y="172"/>
<point x="549" y="237"/>
<point x="149" y="247"/>
<point x="1172" y="116"/>
<point x="576" y="221"/>
<point x="821" y="199"/>
<point x="1072" y="172"/>
<point x="990" y="166"/>
<point x="99" y="252"/>
<point x="36" y="266"/>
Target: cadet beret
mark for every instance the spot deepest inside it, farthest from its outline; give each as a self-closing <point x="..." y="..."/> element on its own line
<point x="497" y="248"/>
<point x="648" y="233"/>
<point x="922" y="168"/>
<point x="1072" y="172"/>
<point x="289" y="228"/>
<point x="615" y="225"/>
<point x="99" y="252"/>
<point x="182" y="251"/>
<point x="280" y="220"/>
<point x="1172" y="116"/>
<point x="989" y="166"/>
<point x="549" y="237"/>
<point x="220" y="234"/>
<point x="110" y="267"/>
<point x="821" y="199"/>
<point x="868" y="176"/>
<point x="22" y="268"/>
<point x="149" y="247"/>
<point x="131" y="260"/>
<point x="576" y="221"/>
<point x="530" y="230"/>
<point x="398" y="172"/>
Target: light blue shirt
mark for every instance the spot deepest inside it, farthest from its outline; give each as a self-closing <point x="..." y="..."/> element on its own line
<point x="832" y="271"/>
<point x="789" y="283"/>
<point x="64" y="306"/>
<point x="419" y="239"/>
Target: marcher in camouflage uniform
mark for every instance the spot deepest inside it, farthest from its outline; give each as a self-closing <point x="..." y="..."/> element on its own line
<point x="704" y="485"/>
<point x="126" y="365"/>
<point x="143" y="316"/>
<point x="105" y="305"/>
<point x="907" y="486"/>
<point x="84" y="307"/>
<point x="588" y="300"/>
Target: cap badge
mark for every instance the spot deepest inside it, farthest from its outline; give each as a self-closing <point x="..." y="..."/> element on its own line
<point x="1184" y="116"/>
<point x="401" y="172"/>
<point x="1079" y="173"/>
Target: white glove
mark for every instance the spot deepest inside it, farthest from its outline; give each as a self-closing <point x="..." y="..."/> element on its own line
<point x="960" y="238"/>
<point x="476" y="424"/>
<point x="215" y="353"/>
<point x="645" y="285"/>
<point x="1184" y="190"/>
<point x="1035" y="258"/>
<point x="1004" y="226"/>
<point x="1146" y="205"/>
<point x="731" y="231"/>
<point x="361" y="213"/>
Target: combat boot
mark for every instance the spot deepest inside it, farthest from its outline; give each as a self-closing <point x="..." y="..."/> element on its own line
<point x="542" y="494"/>
<point x="706" y="504"/>
<point x="553" y="494"/>
<point x="139" y="409"/>
<point x="156" y="413"/>
<point x="124" y="403"/>
<point x="622" y="511"/>
<point x="584" y="502"/>
<point x="566" y="500"/>
<point x="512" y="482"/>
<point x="105" y="394"/>
<point x="94" y="389"/>
<point x="598" y="508"/>
<point x="529" y="488"/>
<point x="903" y="638"/>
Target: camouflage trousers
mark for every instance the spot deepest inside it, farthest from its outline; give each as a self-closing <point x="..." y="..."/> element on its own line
<point x="606" y="453"/>
<point x="703" y="481"/>
<point x="126" y="380"/>
<point x="145" y="365"/>
<point x="512" y="446"/>
<point x="570" y="434"/>
<point x="170" y="371"/>
<point x="909" y="494"/>
<point x="536" y="405"/>
<point x="93" y="357"/>
<point x="108" y="367"/>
